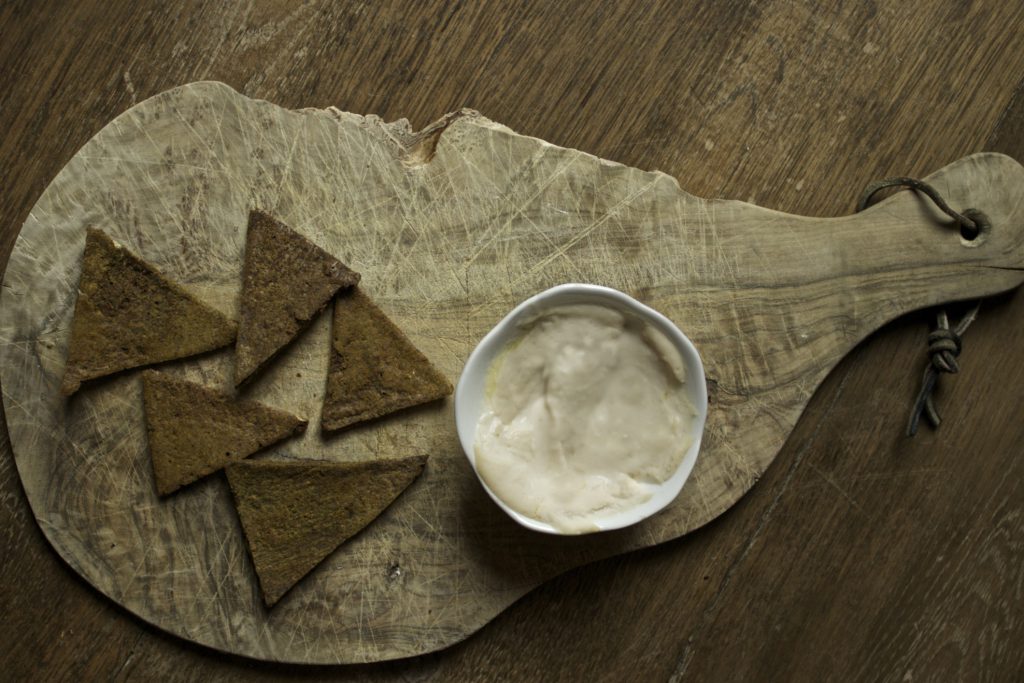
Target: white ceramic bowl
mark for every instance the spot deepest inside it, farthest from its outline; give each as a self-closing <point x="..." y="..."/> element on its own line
<point x="469" y="394"/>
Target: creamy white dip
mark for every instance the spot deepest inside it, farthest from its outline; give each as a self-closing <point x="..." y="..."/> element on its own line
<point x="585" y="415"/>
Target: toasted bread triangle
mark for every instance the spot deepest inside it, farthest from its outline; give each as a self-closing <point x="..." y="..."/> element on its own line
<point x="128" y="315"/>
<point x="295" y="513"/>
<point x="195" y="431"/>
<point x="286" y="281"/>
<point x="374" y="368"/>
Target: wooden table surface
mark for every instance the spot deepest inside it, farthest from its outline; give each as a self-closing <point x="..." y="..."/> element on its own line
<point x="861" y="554"/>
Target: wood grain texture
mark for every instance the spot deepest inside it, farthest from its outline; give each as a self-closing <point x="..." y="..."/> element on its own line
<point x="716" y="96"/>
<point x="451" y="230"/>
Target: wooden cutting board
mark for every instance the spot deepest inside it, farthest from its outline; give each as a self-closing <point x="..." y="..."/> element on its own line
<point x="450" y="228"/>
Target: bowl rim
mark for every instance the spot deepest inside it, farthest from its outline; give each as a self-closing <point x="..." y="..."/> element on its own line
<point x="480" y="359"/>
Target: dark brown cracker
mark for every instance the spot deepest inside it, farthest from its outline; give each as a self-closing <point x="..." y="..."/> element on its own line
<point x="128" y="314"/>
<point x="286" y="281"/>
<point x="195" y="431"/>
<point x="296" y="513"/>
<point x="374" y="368"/>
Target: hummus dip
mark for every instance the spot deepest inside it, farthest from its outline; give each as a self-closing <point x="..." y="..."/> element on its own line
<point x="585" y="415"/>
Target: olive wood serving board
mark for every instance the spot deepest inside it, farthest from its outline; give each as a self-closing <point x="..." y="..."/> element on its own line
<point x="450" y="228"/>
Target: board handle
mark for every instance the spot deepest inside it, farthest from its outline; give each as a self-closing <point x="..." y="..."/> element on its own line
<point x="903" y="253"/>
<point x="912" y="234"/>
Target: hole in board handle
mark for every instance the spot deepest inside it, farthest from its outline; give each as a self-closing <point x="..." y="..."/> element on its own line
<point x="975" y="235"/>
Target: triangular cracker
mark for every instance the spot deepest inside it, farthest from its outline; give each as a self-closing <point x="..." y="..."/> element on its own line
<point x="286" y="281"/>
<point x="295" y="513"/>
<point x="374" y="368"/>
<point x="195" y="431"/>
<point x="128" y="315"/>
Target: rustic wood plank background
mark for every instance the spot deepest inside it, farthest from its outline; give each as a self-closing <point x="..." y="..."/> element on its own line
<point x="860" y="555"/>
